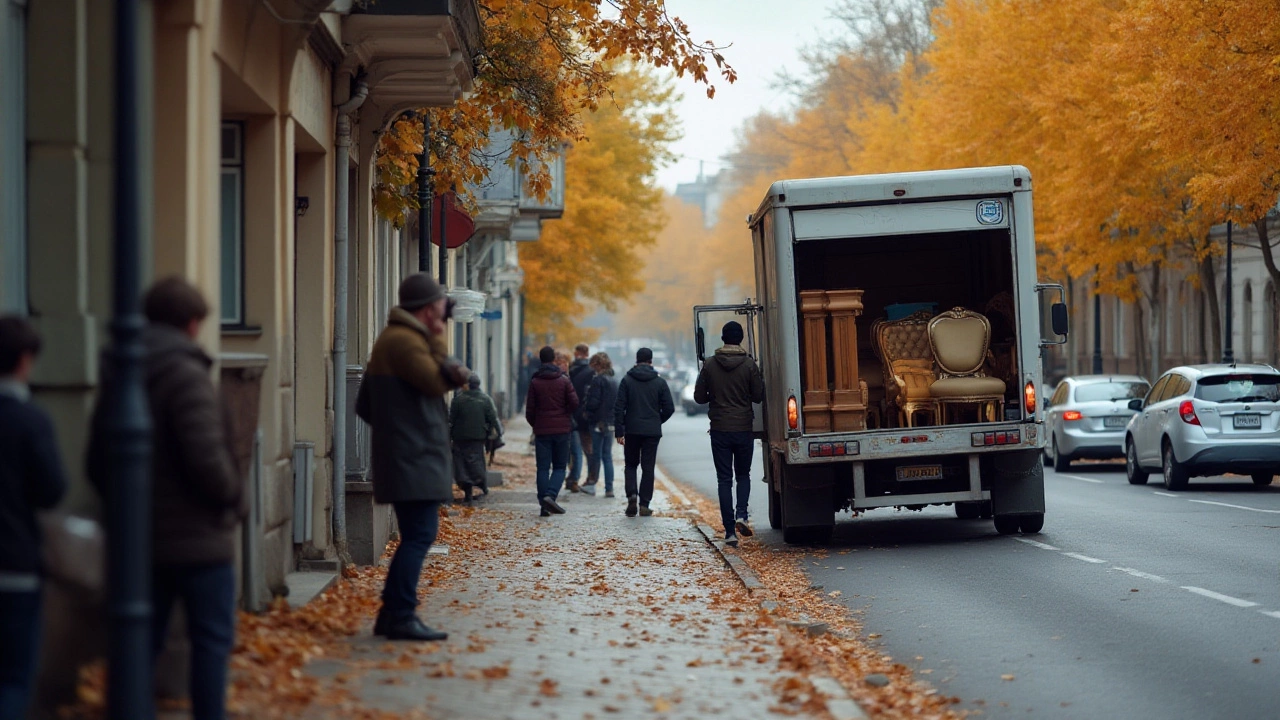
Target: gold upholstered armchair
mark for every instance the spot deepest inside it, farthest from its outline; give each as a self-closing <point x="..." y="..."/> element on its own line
<point x="960" y="340"/>
<point x="906" y="360"/>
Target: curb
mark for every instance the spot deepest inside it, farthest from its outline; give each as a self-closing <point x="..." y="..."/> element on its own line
<point x="840" y="703"/>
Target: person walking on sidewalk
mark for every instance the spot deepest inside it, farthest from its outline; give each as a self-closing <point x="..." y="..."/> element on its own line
<point x="402" y="399"/>
<point x="472" y="421"/>
<point x="601" y="393"/>
<point x="643" y="405"/>
<point x="730" y="382"/>
<point x="198" y="494"/>
<point x="549" y="410"/>
<point x="580" y="441"/>
<point x="31" y="479"/>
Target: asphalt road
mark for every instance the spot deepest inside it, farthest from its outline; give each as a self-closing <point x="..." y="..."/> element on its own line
<point x="1132" y="603"/>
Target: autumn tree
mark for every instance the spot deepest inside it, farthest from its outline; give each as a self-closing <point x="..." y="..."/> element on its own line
<point x="593" y="257"/>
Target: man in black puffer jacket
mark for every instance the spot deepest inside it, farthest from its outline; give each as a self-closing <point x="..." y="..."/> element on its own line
<point x="731" y="382"/>
<point x="643" y="404"/>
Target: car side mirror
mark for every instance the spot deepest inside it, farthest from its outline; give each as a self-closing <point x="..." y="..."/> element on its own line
<point x="1058" y="313"/>
<point x="1135" y="404"/>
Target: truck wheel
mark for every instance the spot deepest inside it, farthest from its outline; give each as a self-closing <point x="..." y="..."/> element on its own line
<point x="1007" y="524"/>
<point x="807" y="535"/>
<point x="1031" y="523"/>
<point x="986" y="510"/>
<point x="775" y="508"/>
<point x="968" y="510"/>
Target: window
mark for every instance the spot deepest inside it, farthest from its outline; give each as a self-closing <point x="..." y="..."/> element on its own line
<point x="231" y="218"/>
<point x="1110" y="391"/>
<point x="1239" y="387"/>
<point x="1059" y="395"/>
<point x="1157" y="390"/>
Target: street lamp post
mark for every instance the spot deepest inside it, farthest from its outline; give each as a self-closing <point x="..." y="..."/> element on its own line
<point x="1227" y="355"/>
<point x="425" y="187"/>
<point x="127" y="423"/>
<point x="1097" y="326"/>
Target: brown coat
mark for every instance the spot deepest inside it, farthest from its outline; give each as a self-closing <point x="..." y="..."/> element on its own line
<point x="402" y="398"/>
<point x="198" y="495"/>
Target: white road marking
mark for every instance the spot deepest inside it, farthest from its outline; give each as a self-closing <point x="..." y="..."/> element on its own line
<point x="1238" y="507"/>
<point x="1140" y="574"/>
<point x="1034" y="543"/>
<point x="1085" y="558"/>
<point x="1220" y="597"/>
<point x="1164" y="494"/>
<point x="1271" y="613"/>
<point x="1083" y="479"/>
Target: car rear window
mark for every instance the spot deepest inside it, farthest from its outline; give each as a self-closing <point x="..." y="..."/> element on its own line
<point x="1095" y="392"/>
<point x="1241" y="387"/>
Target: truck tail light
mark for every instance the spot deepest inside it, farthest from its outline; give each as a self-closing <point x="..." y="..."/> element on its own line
<point x="1188" y="413"/>
<point x="793" y="413"/>
<point x="1029" y="397"/>
<point x="1072" y="415"/>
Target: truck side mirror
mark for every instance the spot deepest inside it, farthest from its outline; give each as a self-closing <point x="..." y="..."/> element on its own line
<point x="700" y="341"/>
<point x="1058" y="313"/>
<point x="1135" y="404"/>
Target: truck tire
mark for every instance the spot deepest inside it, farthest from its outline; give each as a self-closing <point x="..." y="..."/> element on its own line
<point x="808" y="535"/>
<point x="1008" y="524"/>
<point x="775" y="508"/>
<point x="968" y="510"/>
<point x="1031" y="523"/>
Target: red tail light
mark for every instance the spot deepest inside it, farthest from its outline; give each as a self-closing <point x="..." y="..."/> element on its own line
<point x="793" y="413"/>
<point x="1071" y="415"/>
<point x="1029" y="397"/>
<point x="1188" y="413"/>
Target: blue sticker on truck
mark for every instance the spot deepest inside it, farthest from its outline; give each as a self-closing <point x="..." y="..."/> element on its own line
<point x="990" y="212"/>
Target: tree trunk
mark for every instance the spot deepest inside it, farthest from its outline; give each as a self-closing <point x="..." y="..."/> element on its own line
<point x="1140" y="347"/>
<point x="1209" y="286"/>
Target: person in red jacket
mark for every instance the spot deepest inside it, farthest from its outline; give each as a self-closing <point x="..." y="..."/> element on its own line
<point x="549" y="410"/>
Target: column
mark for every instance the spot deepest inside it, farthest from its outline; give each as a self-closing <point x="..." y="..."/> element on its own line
<point x="817" y="392"/>
<point x="848" y="406"/>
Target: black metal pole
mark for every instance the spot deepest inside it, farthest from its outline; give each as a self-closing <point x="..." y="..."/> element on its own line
<point x="1227" y="355"/>
<point x="1097" y="326"/>
<point x="444" y="242"/>
<point x="425" y="188"/>
<point x="128" y="422"/>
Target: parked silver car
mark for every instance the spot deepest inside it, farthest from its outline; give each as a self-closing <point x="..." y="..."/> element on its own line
<point x="1204" y="420"/>
<point x="1087" y="415"/>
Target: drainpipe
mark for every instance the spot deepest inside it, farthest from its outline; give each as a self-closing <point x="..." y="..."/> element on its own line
<point x="342" y="214"/>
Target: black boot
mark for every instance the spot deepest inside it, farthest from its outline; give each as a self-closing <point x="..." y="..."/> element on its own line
<point x="414" y="629"/>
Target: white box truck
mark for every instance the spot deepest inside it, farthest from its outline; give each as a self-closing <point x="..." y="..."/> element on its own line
<point x="842" y="264"/>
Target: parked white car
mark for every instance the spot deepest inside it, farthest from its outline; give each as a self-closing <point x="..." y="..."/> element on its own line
<point x="691" y="406"/>
<point x="1087" y="415"/>
<point x="1204" y="420"/>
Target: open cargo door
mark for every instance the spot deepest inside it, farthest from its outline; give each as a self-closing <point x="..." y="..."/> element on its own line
<point x="708" y="320"/>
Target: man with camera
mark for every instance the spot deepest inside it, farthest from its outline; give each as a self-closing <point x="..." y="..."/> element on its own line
<point x="402" y="399"/>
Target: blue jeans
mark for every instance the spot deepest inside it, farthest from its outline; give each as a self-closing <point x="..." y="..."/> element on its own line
<point x="575" y="456"/>
<point x="732" y="454"/>
<point x="602" y="442"/>
<point x="419" y="522"/>
<point x="552" y="455"/>
<point x="208" y="594"/>
<point x="19" y="649"/>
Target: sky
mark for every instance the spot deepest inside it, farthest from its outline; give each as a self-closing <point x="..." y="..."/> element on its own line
<point x="766" y="36"/>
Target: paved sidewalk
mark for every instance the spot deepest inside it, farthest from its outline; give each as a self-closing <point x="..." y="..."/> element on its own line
<point x="585" y="615"/>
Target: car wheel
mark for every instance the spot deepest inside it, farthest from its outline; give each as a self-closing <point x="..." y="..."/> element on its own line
<point x="1175" y="475"/>
<point x="690" y="411"/>
<point x="1007" y="524"/>
<point x="1060" y="463"/>
<point x="1262" y="479"/>
<point x="1137" y="476"/>
<point x="1031" y="523"/>
<point x="968" y="510"/>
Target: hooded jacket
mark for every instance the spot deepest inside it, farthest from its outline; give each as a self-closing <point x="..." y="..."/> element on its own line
<point x="580" y="374"/>
<point x="472" y="416"/>
<point x="402" y="398"/>
<point x="730" y="382"/>
<point x="602" y="393"/>
<point x="644" y="403"/>
<point x="551" y="402"/>
<point x="198" y="493"/>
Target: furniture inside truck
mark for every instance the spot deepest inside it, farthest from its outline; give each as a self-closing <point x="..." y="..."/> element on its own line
<point x="960" y="340"/>
<point x="907" y="362"/>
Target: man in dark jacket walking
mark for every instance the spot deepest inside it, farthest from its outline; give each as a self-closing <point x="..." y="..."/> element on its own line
<point x="602" y="393"/>
<point x="472" y="419"/>
<point x="731" y="382"/>
<point x="549" y="410"/>
<point x="580" y="441"/>
<point x="643" y="404"/>
<point x="402" y="399"/>
<point x="198" y="492"/>
<point x="31" y="479"/>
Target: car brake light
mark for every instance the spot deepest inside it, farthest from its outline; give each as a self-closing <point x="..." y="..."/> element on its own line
<point x="1188" y="413"/>
<point x="793" y="413"/>
<point x="1029" y="397"/>
<point x="1071" y="415"/>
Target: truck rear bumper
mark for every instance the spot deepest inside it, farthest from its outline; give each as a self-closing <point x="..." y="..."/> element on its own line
<point x="906" y="443"/>
<point x="861" y="500"/>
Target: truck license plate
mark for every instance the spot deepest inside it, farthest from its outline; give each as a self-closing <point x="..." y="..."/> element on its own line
<point x="1247" y="421"/>
<point x="1115" y="422"/>
<point x="920" y="472"/>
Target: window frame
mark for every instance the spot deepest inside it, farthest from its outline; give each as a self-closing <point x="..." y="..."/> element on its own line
<point x="232" y="165"/>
